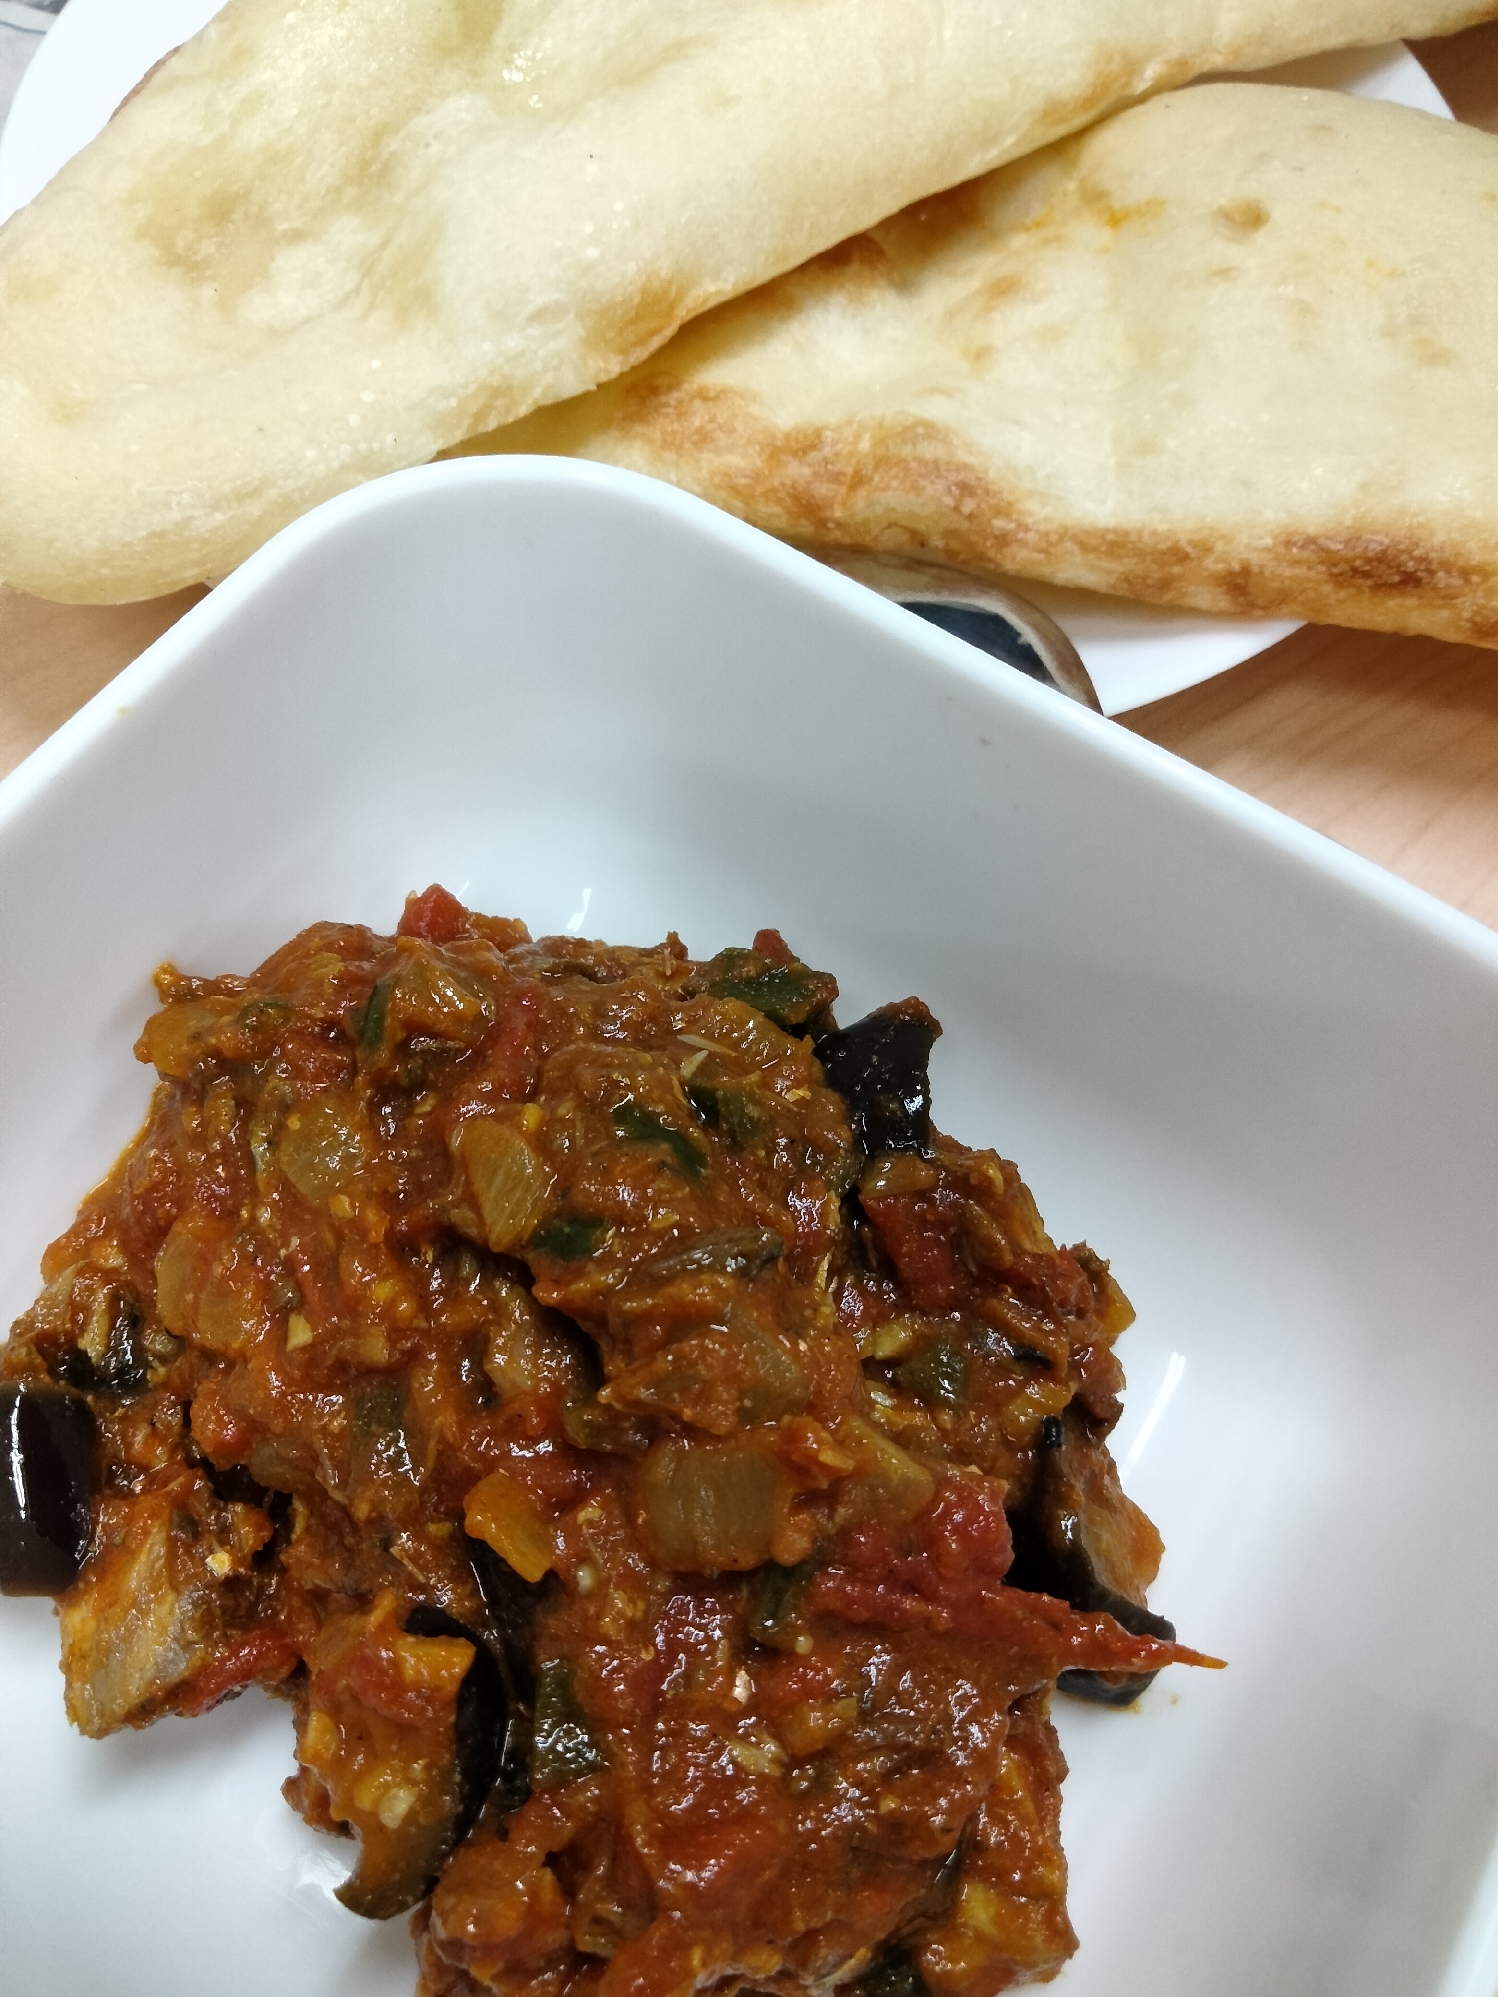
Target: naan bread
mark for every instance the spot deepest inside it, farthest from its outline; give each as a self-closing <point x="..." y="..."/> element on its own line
<point x="329" y="239"/>
<point x="1233" y="349"/>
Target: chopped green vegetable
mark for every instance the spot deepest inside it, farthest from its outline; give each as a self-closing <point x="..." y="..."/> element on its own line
<point x="790" y="994"/>
<point x="595" y="1425"/>
<point x="937" y="1374"/>
<point x="264" y="1015"/>
<point x="377" y="1406"/>
<point x="740" y="1116"/>
<point x="562" y="1745"/>
<point x="775" y="1598"/>
<point x="733" y="1111"/>
<point x="369" y="1021"/>
<point x="644" y="1126"/>
<point x="568" y="1237"/>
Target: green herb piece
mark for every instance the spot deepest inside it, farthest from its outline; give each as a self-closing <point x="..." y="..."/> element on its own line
<point x="568" y="1237"/>
<point x="562" y="1745"/>
<point x="264" y="1015"/>
<point x="775" y="1598"/>
<point x="892" y="1973"/>
<point x="643" y="1126"/>
<point x="790" y="994"/>
<point x="937" y="1374"/>
<point x="369" y="1021"/>
<point x="414" y="1071"/>
<point x="740" y="1115"/>
<point x="595" y="1425"/>
<point x="733" y="1111"/>
<point x="377" y="1407"/>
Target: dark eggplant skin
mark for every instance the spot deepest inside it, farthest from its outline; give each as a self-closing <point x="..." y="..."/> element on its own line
<point x="880" y="1067"/>
<point x="1052" y="1557"/>
<point x="1119" y="1688"/>
<point x="123" y="1369"/>
<point x="892" y="1973"/>
<point x="482" y="1719"/>
<point x="512" y="1603"/>
<point x="47" y="1478"/>
<point x="401" y="1867"/>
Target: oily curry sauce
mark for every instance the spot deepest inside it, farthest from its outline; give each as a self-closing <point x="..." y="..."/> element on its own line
<point x="665" y="1476"/>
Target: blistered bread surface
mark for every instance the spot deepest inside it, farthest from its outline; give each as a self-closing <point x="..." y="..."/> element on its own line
<point x="1231" y="349"/>
<point x="330" y="239"/>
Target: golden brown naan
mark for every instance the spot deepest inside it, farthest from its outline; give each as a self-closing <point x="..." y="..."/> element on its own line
<point x="1233" y="349"/>
<point x="329" y="239"/>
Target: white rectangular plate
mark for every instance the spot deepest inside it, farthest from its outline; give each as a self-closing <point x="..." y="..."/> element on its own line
<point x="1257" y="1073"/>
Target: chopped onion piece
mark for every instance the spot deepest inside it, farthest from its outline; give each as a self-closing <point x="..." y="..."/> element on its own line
<point x="505" y="1516"/>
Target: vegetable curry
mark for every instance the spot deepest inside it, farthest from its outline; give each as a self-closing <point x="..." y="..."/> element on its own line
<point x="665" y="1476"/>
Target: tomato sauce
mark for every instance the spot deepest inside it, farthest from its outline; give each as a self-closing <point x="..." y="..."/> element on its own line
<point x="664" y="1475"/>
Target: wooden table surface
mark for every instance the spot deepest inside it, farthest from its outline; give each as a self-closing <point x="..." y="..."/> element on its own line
<point x="1389" y="745"/>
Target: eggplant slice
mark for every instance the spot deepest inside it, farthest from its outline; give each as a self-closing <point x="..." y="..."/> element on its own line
<point x="47" y="1440"/>
<point x="1067" y="1544"/>
<point x="880" y="1066"/>
<point x="482" y="1722"/>
<point x="511" y="1603"/>
<point x="399" y="1861"/>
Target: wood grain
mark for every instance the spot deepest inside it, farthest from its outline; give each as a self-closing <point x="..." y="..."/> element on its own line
<point x="1387" y="744"/>
<point x="55" y="656"/>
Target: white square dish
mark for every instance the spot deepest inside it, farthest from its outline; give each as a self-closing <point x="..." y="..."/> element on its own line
<point x="1254" y="1071"/>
